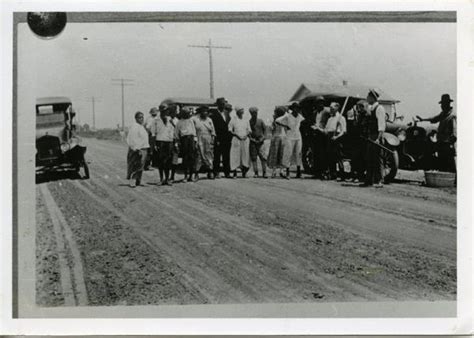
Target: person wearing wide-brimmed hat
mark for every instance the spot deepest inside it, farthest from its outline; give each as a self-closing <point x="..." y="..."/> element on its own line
<point x="446" y="138"/>
<point x="375" y="127"/>
<point x="206" y="134"/>
<point x="319" y="149"/>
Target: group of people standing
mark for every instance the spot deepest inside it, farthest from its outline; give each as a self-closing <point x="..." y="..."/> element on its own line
<point x="212" y="140"/>
<point x="203" y="141"/>
<point x="361" y="128"/>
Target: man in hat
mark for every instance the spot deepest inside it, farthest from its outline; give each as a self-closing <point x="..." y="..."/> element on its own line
<point x="221" y="118"/>
<point x="446" y="137"/>
<point x="257" y="137"/>
<point x="320" y="161"/>
<point x="374" y="129"/>
<point x="149" y="124"/>
<point x="293" y="121"/>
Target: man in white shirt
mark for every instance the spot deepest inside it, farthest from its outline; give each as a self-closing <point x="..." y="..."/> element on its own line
<point x="335" y="129"/>
<point x="137" y="140"/>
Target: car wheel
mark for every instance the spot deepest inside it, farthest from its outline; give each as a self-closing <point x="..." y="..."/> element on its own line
<point x="86" y="170"/>
<point x="390" y="165"/>
<point x="308" y="161"/>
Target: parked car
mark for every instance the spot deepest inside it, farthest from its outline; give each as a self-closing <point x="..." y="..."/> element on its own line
<point x="190" y="102"/>
<point x="347" y="96"/>
<point x="417" y="148"/>
<point x="57" y="146"/>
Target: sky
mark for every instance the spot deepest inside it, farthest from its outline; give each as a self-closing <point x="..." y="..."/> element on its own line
<point x="413" y="62"/>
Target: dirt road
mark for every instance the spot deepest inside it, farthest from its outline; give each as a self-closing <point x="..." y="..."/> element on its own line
<point x="100" y="242"/>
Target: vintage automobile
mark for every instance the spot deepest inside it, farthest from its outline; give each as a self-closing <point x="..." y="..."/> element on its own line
<point x="57" y="147"/>
<point x="406" y="146"/>
<point x="190" y="102"/>
<point x="347" y="96"/>
<point x="417" y="149"/>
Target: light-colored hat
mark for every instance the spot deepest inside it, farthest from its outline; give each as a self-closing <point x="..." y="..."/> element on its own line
<point x="237" y="109"/>
<point x="253" y="109"/>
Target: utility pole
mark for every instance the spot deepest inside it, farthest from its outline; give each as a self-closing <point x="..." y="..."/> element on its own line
<point x="123" y="82"/>
<point x="210" y="47"/>
<point x="93" y="100"/>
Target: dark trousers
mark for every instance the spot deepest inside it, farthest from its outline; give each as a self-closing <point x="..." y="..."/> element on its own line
<point x="446" y="157"/>
<point x="151" y="141"/>
<point x="222" y="151"/>
<point x="357" y="157"/>
<point x="135" y="164"/>
<point x="320" y="160"/>
<point x="334" y="156"/>
<point x="374" y="164"/>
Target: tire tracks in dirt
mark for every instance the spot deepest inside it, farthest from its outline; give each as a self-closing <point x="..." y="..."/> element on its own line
<point x="71" y="271"/>
<point x="236" y="223"/>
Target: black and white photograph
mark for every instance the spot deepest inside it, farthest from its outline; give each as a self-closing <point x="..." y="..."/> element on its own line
<point x="254" y="161"/>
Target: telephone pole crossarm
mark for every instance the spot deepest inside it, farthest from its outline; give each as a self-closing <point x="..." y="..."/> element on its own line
<point x="210" y="47"/>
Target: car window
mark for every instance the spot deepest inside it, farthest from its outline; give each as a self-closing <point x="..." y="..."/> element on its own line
<point x="51" y="109"/>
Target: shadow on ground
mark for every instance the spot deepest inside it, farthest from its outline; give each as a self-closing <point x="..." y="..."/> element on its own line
<point x="51" y="176"/>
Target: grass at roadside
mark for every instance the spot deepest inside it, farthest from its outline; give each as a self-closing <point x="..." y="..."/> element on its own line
<point x="102" y="134"/>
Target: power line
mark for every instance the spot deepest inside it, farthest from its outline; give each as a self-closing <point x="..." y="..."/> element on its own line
<point x="210" y="47"/>
<point x="123" y="82"/>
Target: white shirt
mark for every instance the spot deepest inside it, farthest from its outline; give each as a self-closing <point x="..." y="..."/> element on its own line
<point x="137" y="137"/>
<point x="164" y="132"/>
<point x="239" y="127"/>
<point x="336" y="123"/>
<point x="380" y="114"/>
<point x="149" y="123"/>
<point x="294" y="123"/>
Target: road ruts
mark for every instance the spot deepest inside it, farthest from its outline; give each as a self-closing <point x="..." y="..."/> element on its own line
<point x="260" y="241"/>
<point x="70" y="263"/>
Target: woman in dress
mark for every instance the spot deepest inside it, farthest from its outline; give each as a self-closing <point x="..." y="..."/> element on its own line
<point x="239" y="151"/>
<point x="205" y="133"/>
<point x="277" y="156"/>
